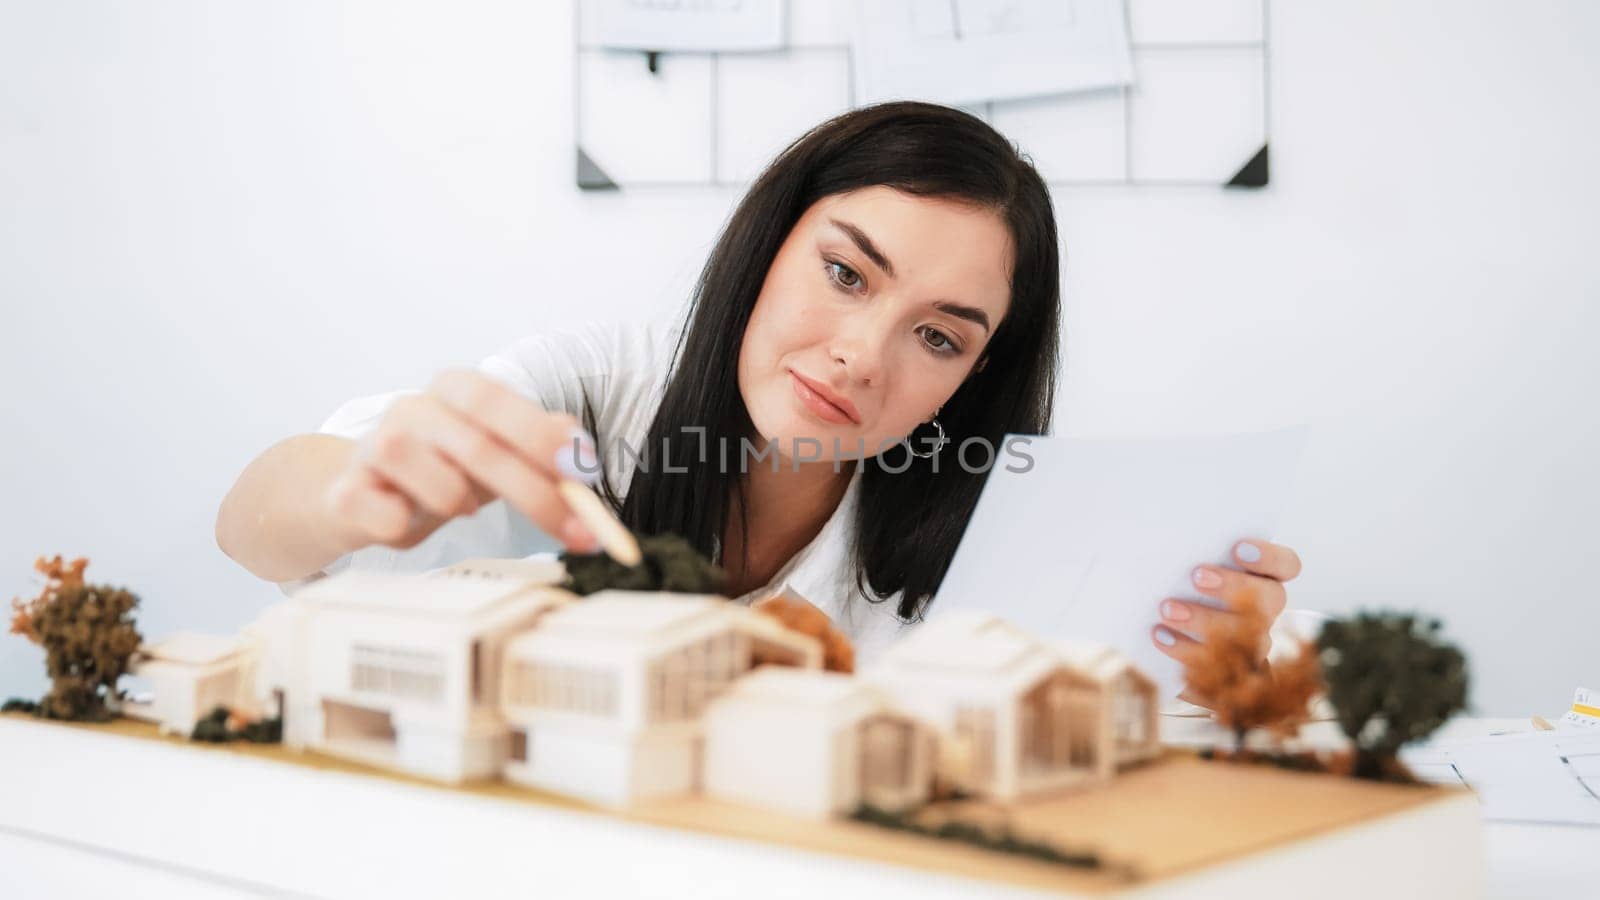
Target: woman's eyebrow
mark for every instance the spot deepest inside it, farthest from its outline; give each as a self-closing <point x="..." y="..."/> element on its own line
<point x="866" y="245"/>
<point x="962" y="311"/>
<point x="959" y="310"/>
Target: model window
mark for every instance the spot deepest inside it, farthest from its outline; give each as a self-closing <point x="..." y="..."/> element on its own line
<point x="412" y="674"/>
<point x="886" y="754"/>
<point x="685" y="680"/>
<point x="974" y="735"/>
<point x="1047" y="726"/>
<point x="565" y="688"/>
<point x="1130" y="715"/>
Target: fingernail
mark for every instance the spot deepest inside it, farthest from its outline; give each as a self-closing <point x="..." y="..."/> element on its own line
<point x="1177" y="612"/>
<point x="1166" y="637"/>
<point x="576" y="459"/>
<point x="1247" y="552"/>
<point x="1207" y="579"/>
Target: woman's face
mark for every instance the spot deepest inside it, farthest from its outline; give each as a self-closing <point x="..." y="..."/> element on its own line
<point x="876" y="308"/>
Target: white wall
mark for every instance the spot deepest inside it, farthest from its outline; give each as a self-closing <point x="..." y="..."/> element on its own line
<point x="218" y="221"/>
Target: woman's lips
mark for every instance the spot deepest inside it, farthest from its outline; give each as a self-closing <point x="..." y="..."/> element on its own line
<point x="818" y="406"/>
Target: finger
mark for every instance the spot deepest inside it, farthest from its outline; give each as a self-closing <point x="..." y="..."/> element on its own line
<point x="1204" y="622"/>
<point x="1241" y="590"/>
<point x="1173" y="643"/>
<point x="418" y="470"/>
<point x="1266" y="558"/>
<point x="554" y="442"/>
<point x="374" y="512"/>
<point x="1193" y="618"/>
<point x="496" y="468"/>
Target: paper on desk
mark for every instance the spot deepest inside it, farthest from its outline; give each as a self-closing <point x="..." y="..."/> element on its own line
<point x="1087" y="542"/>
<point x="1550" y="777"/>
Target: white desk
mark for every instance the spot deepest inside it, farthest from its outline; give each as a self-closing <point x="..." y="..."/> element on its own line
<point x="82" y="812"/>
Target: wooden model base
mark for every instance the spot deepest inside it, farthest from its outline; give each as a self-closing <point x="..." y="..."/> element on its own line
<point x="1174" y="816"/>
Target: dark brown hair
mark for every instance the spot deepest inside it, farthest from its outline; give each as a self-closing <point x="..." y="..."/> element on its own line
<point x="908" y="522"/>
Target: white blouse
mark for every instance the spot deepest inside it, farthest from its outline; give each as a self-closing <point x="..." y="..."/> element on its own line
<point x="622" y="368"/>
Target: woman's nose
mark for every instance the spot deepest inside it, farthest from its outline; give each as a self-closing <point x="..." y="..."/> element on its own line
<point x="862" y="349"/>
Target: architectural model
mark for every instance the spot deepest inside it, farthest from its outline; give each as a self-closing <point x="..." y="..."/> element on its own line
<point x="687" y="710"/>
<point x="494" y="669"/>
<point x="815" y="744"/>
<point x="605" y="697"/>
<point x="1018" y="715"/>
<point x="400" y="671"/>
<point x="187" y="675"/>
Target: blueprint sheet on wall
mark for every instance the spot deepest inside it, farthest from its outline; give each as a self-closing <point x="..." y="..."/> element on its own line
<point x="1195" y="113"/>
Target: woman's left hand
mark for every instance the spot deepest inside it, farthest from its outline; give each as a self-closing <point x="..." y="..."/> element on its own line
<point x="1265" y="568"/>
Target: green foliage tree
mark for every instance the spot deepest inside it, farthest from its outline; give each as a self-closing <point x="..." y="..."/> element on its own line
<point x="1391" y="681"/>
<point x="218" y="727"/>
<point x="669" y="564"/>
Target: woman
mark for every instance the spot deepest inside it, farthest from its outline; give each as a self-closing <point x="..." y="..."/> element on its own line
<point x="893" y="271"/>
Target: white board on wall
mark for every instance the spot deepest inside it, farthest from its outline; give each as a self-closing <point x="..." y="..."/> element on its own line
<point x="1197" y="113"/>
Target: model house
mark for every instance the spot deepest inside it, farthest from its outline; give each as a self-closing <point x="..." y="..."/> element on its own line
<point x="401" y="671"/>
<point x="604" y="697"/>
<point x="187" y="675"/>
<point x="488" y="668"/>
<point x="1128" y="709"/>
<point x="1015" y="717"/>
<point x="815" y="744"/>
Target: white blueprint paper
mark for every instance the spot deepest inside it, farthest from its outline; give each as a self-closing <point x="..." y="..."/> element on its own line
<point x="1550" y="777"/>
<point x="683" y="25"/>
<point x="968" y="51"/>
<point x="1087" y="543"/>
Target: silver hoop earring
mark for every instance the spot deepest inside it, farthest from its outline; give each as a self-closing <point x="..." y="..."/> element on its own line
<point x="938" y="442"/>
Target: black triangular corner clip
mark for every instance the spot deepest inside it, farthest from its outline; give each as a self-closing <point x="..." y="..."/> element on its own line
<point x="1254" y="173"/>
<point x="591" y="177"/>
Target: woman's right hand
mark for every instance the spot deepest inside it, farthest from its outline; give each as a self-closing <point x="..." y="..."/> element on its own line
<point x="463" y="442"/>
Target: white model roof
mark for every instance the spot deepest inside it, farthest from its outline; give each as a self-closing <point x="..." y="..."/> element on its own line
<point x="1097" y="661"/>
<point x="796" y="701"/>
<point x="611" y="624"/>
<point x="788" y="686"/>
<point x="966" y="640"/>
<point x="411" y="595"/>
<point x="538" y="569"/>
<point x="633" y="614"/>
<point x="192" y="648"/>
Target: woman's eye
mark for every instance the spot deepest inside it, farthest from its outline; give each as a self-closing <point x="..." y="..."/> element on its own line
<point x="844" y="275"/>
<point x="938" y="340"/>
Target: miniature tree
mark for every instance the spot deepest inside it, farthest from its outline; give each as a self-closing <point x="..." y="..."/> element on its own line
<point x="1391" y="682"/>
<point x="1229" y="672"/>
<point x="670" y="563"/>
<point x="88" y="636"/>
<point x="795" y="614"/>
<point x="222" y="725"/>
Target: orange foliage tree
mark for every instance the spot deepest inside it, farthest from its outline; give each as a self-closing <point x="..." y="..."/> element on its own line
<point x="1228" y="672"/>
<point x="88" y="637"/>
<point x="795" y="614"/>
<point x="59" y="576"/>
